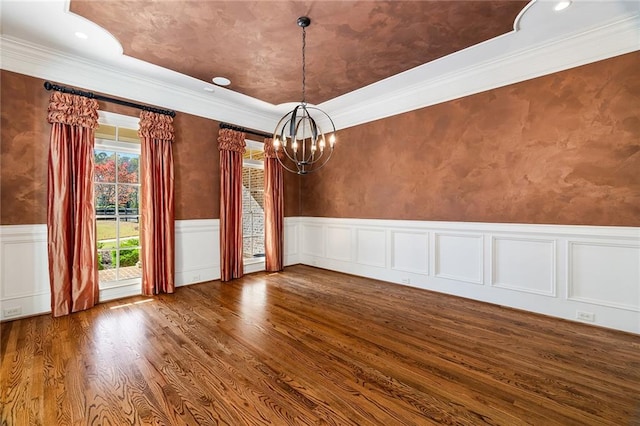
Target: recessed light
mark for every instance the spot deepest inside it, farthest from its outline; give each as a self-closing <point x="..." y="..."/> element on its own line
<point x="221" y="81"/>
<point x="562" y="5"/>
<point x="81" y="35"/>
<point x="208" y="89"/>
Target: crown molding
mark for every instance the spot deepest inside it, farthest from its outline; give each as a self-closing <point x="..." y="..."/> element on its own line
<point x="441" y="81"/>
<point x="526" y="52"/>
<point x="222" y="105"/>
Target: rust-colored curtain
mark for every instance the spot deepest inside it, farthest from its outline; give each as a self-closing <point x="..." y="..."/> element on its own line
<point x="71" y="228"/>
<point x="156" y="198"/>
<point x="273" y="209"/>
<point x="232" y="145"/>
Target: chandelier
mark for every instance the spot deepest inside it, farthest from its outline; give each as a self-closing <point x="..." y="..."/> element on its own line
<point x="300" y="143"/>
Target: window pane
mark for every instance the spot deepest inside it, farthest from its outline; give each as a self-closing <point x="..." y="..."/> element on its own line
<point x="128" y="200"/>
<point x="128" y="168"/>
<point x="246" y="247"/>
<point x="105" y="166"/>
<point x="129" y="264"/>
<point x="129" y="231"/>
<point x="106" y="232"/>
<point x="104" y="131"/>
<point x="107" y="261"/>
<point x="129" y="257"/>
<point x="253" y="211"/>
<point x="257" y="224"/>
<point x="128" y="135"/>
<point x="258" y="246"/>
<point x="105" y="199"/>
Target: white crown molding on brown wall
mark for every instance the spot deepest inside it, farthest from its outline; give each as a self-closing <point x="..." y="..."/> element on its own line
<point x="496" y="63"/>
<point x="542" y="42"/>
<point x="36" y="61"/>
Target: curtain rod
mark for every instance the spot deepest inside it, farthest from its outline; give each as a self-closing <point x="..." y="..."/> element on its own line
<point x="243" y="130"/>
<point x="50" y="86"/>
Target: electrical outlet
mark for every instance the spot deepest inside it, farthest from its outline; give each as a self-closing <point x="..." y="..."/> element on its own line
<point x="195" y="278"/>
<point x="406" y="281"/>
<point x="585" y="316"/>
<point x="12" y="312"/>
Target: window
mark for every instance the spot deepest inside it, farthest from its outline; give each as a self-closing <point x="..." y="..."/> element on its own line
<point x="253" y="202"/>
<point x="117" y="201"/>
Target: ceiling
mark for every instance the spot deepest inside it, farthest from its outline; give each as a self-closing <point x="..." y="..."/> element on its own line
<point x="366" y="60"/>
<point x="257" y="44"/>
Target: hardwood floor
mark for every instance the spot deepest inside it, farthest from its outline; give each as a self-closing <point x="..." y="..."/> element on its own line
<point x="310" y="346"/>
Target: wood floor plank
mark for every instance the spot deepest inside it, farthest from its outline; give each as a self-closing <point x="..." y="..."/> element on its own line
<point x="314" y="347"/>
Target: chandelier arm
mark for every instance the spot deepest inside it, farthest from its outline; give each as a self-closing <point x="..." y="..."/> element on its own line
<point x="283" y="139"/>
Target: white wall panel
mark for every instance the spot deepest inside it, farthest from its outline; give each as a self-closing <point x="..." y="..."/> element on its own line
<point x="459" y="257"/>
<point x="25" y="262"/>
<point x="524" y="264"/>
<point x="605" y="274"/>
<point x="290" y="238"/>
<point x="371" y="247"/>
<point x="312" y="240"/>
<point x="596" y="269"/>
<point x="24" y="271"/>
<point x="197" y="251"/>
<point x="339" y="243"/>
<point x="410" y="251"/>
<point x="529" y="267"/>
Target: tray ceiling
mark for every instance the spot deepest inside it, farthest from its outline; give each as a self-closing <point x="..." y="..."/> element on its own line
<point x="257" y="45"/>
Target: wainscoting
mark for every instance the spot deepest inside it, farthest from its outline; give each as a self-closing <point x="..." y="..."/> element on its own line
<point x="24" y="274"/>
<point x="583" y="273"/>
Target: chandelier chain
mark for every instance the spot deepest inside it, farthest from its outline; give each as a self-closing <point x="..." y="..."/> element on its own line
<point x="304" y="65"/>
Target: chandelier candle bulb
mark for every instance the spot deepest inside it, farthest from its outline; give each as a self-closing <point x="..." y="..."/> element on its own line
<point x="304" y="129"/>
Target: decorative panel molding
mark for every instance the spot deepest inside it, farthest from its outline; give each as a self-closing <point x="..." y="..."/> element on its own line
<point x="197" y="251"/>
<point x="524" y="264"/>
<point x="290" y="237"/>
<point x="371" y="247"/>
<point x="548" y="269"/>
<point x="410" y="251"/>
<point x="339" y="243"/>
<point x="459" y="257"/>
<point x="291" y="241"/>
<point x="604" y="273"/>
<point x="24" y="271"/>
<point x="312" y="240"/>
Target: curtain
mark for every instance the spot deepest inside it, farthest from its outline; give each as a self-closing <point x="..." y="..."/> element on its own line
<point x="156" y="198"/>
<point x="273" y="209"/>
<point x="71" y="229"/>
<point x="232" y="145"/>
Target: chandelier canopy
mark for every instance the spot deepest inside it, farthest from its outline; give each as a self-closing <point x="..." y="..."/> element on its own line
<point x="299" y="140"/>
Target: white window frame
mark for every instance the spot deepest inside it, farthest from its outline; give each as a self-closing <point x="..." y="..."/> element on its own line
<point x="131" y="286"/>
<point x="253" y="264"/>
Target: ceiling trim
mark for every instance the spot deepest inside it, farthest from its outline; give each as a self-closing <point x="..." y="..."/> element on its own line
<point x="425" y="85"/>
<point x="520" y="55"/>
<point x="33" y="60"/>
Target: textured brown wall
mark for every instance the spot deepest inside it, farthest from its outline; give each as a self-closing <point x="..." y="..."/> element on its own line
<point x="291" y="194"/>
<point x="24" y="148"/>
<point x="559" y="149"/>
